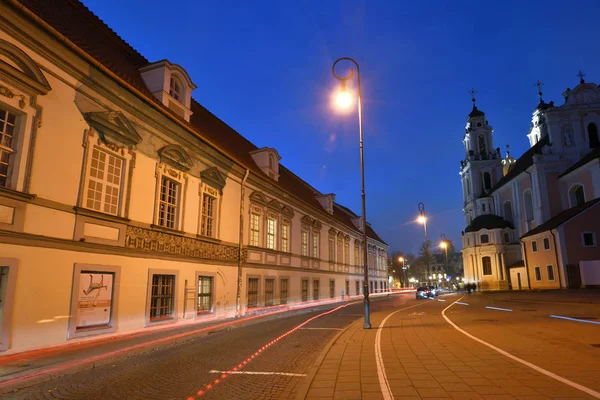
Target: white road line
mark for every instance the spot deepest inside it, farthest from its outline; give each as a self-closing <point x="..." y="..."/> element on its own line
<point x="386" y="391"/>
<point x="541" y="370"/>
<point x="575" y="319"/>
<point x="498" y="308"/>
<point x="254" y="373"/>
<point x="458" y="302"/>
<point x="324" y="329"/>
<point x="441" y="300"/>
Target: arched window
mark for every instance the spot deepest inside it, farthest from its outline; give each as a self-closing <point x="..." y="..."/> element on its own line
<point x="487" y="265"/>
<point x="481" y="145"/>
<point x="506" y="237"/>
<point x="593" y="135"/>
<point x="468" y="187"/>
<point x="576" y="195"/>
<point x="175" y="88"/>
<point x="485" y="238"/>
<point x="487" y="181"/>
<point x="528" y="202"/>
<point x="508" y="211"/>
<point x="271" y="161"/>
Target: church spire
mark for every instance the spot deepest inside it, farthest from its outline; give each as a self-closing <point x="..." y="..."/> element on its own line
<point x="581" y="75"/>
<point x="539" y="85"/>
<point x="475" y="112"/>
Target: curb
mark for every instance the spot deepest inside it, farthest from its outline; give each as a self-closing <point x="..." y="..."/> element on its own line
<point x="314" y="368"/>
<point x="508" y="300"/>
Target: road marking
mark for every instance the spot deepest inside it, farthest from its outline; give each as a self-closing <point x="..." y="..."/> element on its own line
<point x="325" y="329"/>
<point x="458" y="302"/>
<point x="498" y="308"/>
<point x="575" y="319"/>
<point x="384" y="384"/>
<point x="541" y="370"/>
<point x="441" y="300"/>
<point x="254" y="373"/>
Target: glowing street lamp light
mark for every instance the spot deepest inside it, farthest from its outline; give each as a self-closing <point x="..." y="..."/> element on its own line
<point x="344" y="100"/>
<point x="422" y="219"/>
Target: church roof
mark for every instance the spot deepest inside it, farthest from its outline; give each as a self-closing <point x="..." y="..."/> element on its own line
<point x="98" y="41"/>
<point x="544" y="106"/>
<point x="561" y="218"/>
<point x="522" y="163"/>
<point x="476" y="112"/>
<point x="584" y="160"/>
<point x="488" y="221"/>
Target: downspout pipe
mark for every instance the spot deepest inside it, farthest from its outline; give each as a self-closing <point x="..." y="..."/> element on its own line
<point x="238" y="295"/>
<point x="557" y="260"/>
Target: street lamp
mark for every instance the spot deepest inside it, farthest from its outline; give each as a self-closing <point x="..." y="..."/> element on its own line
<point x="344" y="100"/>
<point x="444" y="245"/>
<point x="422" y="219"/>
<point x="402" y="260"/>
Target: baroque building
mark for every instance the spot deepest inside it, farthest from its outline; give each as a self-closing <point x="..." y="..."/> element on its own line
<point x="532" y="222"/>
<point x="126" y="205"/>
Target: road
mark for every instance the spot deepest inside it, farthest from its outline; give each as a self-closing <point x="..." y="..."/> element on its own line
<point x="484" y="348"/>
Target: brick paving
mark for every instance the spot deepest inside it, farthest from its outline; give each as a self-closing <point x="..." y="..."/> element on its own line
<point x="425" y="358"/>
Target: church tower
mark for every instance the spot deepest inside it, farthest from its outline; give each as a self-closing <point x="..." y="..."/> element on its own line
<point x="481" y="168"/>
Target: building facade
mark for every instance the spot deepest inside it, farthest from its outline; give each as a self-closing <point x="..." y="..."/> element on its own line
<point x="532" y="222"/>
<point x="126" y="205"/>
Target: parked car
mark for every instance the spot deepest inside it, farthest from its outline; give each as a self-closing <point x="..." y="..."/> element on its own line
<point x="423" y="293"/>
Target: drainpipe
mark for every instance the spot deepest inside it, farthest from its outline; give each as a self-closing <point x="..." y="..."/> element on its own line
<point x="238" y="295"/>
<point x="557" y="260"/>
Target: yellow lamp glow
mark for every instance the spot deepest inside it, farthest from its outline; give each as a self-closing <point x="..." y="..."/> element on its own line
<point x="401" y="259"/>
<point x="343" y="98"/>
<point x="421" y="219"/>
<point x="443" y="245"/>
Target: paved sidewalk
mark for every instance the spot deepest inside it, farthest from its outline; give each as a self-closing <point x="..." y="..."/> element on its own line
<point x="424" y="358"/>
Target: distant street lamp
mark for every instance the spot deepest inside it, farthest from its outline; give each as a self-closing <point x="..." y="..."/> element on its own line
<point x="344" y="100"/>
<point x="444" y="245"/>
<point x="422" y="219"/>
<point x="402" y="260"/>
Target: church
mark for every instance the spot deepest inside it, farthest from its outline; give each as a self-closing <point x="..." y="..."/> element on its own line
<point x="533" y="222"/>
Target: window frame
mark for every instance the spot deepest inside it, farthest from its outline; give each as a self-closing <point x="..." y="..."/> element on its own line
<point x="269" y="301"/>
<point x="483" y="266"/>
<point x="537" y="273"/>
<point x="572" y="194"/>
<point x="544" y="241"/>
<point x="175" y="310"/>
<point x="100" y="147"/>
<point x="316" y="236"/>
<point x="254" y="236"/>
<point x="550" y="272"/>
<point x="534" y="246"/>
<point x="528" y="193"/>
<point x="211" y="276"/>
<point x="7" y="293"/>
<point x="304" y="245"/>
<point x="271" y="227"/>
<point x="284" y="299"/>
<point x="284" y="241"/>
<point x="210" y="192"/>
<point x="258" y="288"/>
<point x="304" y="290"/>
<point x="180" y="94"/>
<point x="316" y="289"/>
<point x="166" y="172"/>
<point x="487" y="240"/>
<point x="11" y="150"/>
<point x="594" y="241"/>
<point x="332" y="288"/>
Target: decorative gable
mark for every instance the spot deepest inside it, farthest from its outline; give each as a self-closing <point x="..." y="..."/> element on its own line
<point x="327" y="201"/>
<point x="175" y="156"/>
<point x="214" y="178"/>
<point x="258" y="197"/>
<point x="306" y="220"/>
<point x="287" y="211"/>
<point x="113" y="125"/>
<point x="267" y="160"/>
<point x="19" y="69"/>
<point x="275" y="205"/>
<point x="357" y="221"/>
<point x="171" y="85"/>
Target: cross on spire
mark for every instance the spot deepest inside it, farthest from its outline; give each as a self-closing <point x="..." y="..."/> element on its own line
<point x="581" y="75"/>
<point x="507" y="150"/>
<point x="539" y="85"/>
<point x="472" y="93"/>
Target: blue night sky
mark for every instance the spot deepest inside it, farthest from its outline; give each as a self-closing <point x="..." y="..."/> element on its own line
<point x="264" y="67"/>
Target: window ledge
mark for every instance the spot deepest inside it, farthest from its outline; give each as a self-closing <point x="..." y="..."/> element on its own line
<point x="208" y="239"/>
<point x="167" y="230"/>
<point x="16" y="195"/>
<point x="95" y="214"/>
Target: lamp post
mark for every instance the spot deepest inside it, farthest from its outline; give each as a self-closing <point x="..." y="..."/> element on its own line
<point x="444" y="245"/>
<point x="402" y="260"/>
<point x="422" y="219"/>
<point x="344" y="100"/>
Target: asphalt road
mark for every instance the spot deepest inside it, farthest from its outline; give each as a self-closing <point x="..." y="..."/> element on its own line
<point x="182" y="370"/>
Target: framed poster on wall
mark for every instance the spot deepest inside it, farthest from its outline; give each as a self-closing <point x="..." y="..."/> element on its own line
<point x="94" y="299"/>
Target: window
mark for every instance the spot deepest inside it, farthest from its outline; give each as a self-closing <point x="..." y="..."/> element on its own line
<point x="357" y="287"/>
<point x="347" y="252"/>
<point x="485" y="239"/>
<point x="271" y="161"/>
<point x="168" y="203"/>
<point x="331" y="249"/>
<point x="508" y="215"/>
<point x="347" y="288"/>
<point x="538" y="274"/>
<point x="269" y="291"/>
<point x="506" y="237"/>
<point x="104" y="182"/>
<point x="332" y="289"/>
<point x="304" y="289"/>
<point x="175" y="88"/>
<point x="205" y="294"/>
<point x="534" y="246"/>
<point x="576" y="195"/>
<point x="315" y="248"/>
<point x="527" y="200"/>
<point x="271" y="229"/>
<point x="316" y="289"/>
<point x="593" y="135"/>
<point x="482" y="146"/>
<point x="483" y="208"/>
<point x="7" y="128"/>
<point x="304" y="242"/>
<point x="487" y="181"/>
<point x="550" y="270"/>
<point x="487" y="265"/>
<point x="468" y="187"/>
<point x="252" y="292"/>
<point x="340" y="249"/>
<point x="285" y="236"/>
<point x="207" y="226"/>
<point x="162" y="298"/>
<point x="254" y="229"/>
<point x="546" y="243"/>
<point x="589" y="239"/>
<point x="283" y="290"/>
